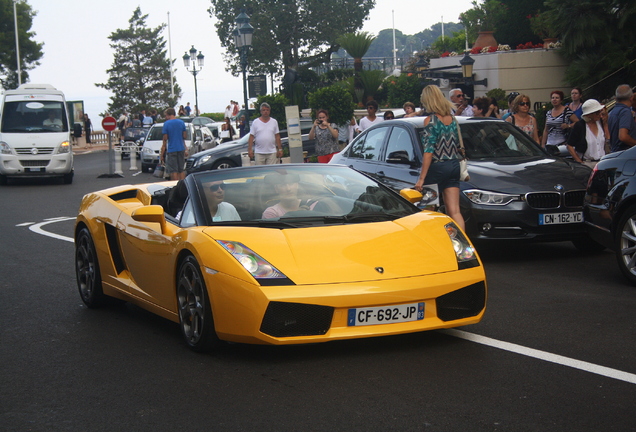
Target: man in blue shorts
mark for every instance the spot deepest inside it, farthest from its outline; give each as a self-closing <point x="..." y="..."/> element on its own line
<point x="173" y="150"/>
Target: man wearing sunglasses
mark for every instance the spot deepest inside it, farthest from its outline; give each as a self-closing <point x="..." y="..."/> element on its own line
<point x="460" y="103"/>
<point x="371" y="118"/>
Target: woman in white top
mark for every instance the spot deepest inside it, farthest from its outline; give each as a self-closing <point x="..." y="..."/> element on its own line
<point x="588" y="139"/>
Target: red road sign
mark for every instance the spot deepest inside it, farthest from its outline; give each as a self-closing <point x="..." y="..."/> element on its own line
<point x="109" y="124"/>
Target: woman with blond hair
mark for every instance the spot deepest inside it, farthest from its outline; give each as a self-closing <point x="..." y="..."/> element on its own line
<point x="521" y="117"/>
<point x="441" y="145"/>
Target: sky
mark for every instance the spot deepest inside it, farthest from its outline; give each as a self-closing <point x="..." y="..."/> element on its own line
<point x="77" y="51"/>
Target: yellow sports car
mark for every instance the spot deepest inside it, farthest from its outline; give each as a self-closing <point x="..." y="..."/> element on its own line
<point x="278" y="254"/>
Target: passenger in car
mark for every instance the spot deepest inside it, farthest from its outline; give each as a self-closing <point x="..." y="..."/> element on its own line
<point x="219" y="209"/>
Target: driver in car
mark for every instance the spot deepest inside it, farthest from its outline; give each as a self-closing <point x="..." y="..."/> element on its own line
<point x="52" y="121"/>
<point x="219" y="209"/>
<point x="286" y="187"/>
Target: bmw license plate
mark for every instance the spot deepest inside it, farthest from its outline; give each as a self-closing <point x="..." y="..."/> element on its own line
<point x="386" y="314"/>
<point x="560" y="218"/>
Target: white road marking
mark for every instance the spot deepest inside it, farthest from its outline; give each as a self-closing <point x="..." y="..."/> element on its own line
<point x="37" y="228"/>
<point x="483" y="340"/>
<point x="543" y="355"/>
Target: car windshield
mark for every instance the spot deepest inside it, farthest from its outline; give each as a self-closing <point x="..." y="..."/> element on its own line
<point x="296" y="196"/>
<point x="155" y="134"/>
<point x="34" y="116"/>
<point x="488" y="140"/>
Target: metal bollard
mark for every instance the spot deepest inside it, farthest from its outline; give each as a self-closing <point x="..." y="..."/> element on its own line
<point x="133" y="157"/>
<point x="118" y="161"/>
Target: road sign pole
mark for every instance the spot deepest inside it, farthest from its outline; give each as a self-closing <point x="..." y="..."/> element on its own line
<point x="109" y="124"/>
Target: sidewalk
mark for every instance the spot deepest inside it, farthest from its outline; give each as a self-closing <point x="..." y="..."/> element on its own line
<point x="80" y="146"/>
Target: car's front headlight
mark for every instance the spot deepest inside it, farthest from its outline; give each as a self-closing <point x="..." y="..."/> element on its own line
<point x="252" y="262"/>
<point x="65" y="147"/>
<point x="6" y="148"/>
<point x="147" y="150"/>
<point x="202" y="160"/>
<point x="465" y="252"/>
<point x="490" y="198"/>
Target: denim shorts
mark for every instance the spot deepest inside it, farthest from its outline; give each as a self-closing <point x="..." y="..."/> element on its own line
<point x="444" y="173"/>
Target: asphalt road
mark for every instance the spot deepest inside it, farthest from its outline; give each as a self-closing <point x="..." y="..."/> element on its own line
<point x="556" y="350"/>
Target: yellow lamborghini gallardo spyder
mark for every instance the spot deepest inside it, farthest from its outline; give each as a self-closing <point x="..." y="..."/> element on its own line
<point x="278" y="254"/>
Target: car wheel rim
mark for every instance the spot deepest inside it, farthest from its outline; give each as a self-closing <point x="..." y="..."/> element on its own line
<point x="85" y="264"/>
<point x="191" y="302"/>
<point x="224" y="165"/>
<point x="628" y="245"/>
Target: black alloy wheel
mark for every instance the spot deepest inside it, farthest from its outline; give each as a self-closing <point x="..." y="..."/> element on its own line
<point x="195" y="312"/>
<point x="89" y="279"/>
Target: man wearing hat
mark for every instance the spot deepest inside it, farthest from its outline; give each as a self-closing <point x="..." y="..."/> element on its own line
<point x="621" y="120"/>
<point x="588" y="138"/>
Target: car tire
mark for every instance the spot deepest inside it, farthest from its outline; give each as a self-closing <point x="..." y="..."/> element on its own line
<point x="146" y="167"/>
<point x="195" y="312"/>
<point x="223" y="164"/>
<point x="587" y="246"/>
<point x="68" y="178"/>
<point x="3" y="180"/>
<point x="89" y="279"/>
<point x="626" y="244"/>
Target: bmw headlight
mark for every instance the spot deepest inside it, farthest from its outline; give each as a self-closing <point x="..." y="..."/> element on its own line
<point x="65" y="147"/>
<point x="251" y="261"/>
<point x="490" y="198"/>
<point x="202" y="160"/>
<point x="465" y="252"/>
<point x="6" y="148"/>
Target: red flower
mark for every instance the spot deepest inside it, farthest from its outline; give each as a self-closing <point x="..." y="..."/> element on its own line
<point x="475" y="50"/>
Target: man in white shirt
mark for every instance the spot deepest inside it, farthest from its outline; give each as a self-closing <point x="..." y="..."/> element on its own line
<point x="460" y="103"/>
<point x="264" y="144"/>
<point x="52" y="121"/>
<point x="370" y="119"/>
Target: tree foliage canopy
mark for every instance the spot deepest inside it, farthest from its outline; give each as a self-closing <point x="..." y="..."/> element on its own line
<point x="598" y="42"/>
<point x="288" y="33"/>
<point x="30" y="50"/>
<point x="140" y="73"/>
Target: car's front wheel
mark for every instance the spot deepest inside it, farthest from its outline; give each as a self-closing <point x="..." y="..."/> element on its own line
<point x="195" y="312"/>
<point x="89" y="279"/>
<point x="626" y="244"/>
<point x="223" y="164"/>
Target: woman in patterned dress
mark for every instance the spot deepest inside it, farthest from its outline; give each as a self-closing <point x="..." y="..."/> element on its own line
<point x="441" y="145"/>
<point x="326" y="136"/>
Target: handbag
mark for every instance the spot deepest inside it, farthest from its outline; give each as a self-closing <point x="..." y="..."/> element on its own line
<point x="463" y="162"/>
<point x="159" y="170"/>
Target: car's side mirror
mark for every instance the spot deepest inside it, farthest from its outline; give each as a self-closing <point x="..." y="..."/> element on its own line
<point x="399" y="157"/>
<point x="411" y="195"/>
<point x="153" y="214"/>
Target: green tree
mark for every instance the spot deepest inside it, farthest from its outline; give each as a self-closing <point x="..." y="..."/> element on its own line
<point x="140" y="73"/>
<point x="288" y="32"/>
<point x="30" y="50"/>
<point x="405" y="88"/>
<point x="598" y="43"/>
<point x="336" y="100"/>
<point x="382" y="45"/>
<point x="357" y="45"/>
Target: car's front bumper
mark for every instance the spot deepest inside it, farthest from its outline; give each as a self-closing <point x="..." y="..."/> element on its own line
<point x="36" y="166"/>
<point x="282" y="315"/>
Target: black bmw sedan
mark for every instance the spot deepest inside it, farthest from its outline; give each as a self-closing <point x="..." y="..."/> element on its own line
<point x="516" y="191"/>
<point x="610" y="208"/>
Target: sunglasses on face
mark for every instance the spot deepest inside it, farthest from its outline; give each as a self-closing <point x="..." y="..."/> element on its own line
<point x="459" y="95"/>
<point x="524" y="103"/>
<point x="216" y="187"/>
<point x="370" y="107"/>
<point x="389" y="117"/>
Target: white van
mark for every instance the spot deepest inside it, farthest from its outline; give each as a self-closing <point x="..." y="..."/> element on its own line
<point x="35" y="139"/>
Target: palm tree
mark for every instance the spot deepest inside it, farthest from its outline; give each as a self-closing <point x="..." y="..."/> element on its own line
<point x="356" y="45"/>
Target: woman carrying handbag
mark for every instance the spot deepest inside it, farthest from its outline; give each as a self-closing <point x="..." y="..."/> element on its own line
<point x="442" y="151"/>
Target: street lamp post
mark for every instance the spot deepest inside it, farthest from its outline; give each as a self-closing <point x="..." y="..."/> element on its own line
<point x="243" y="40"/>
<point x="467" y="72"/>
<point x="195" y="60"/>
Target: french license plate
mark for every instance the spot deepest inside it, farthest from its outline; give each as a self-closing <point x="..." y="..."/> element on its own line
<point x="560" y="218"/>
<point x="386" y="314"/>
<point x="40" y="169"/>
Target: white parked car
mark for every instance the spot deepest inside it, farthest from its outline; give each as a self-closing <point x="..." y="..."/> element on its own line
<point x="203" y="139"/>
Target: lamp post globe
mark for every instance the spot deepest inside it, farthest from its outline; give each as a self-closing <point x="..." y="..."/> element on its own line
<point x="243" y="40"/>
<point x="196" y="60"/>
